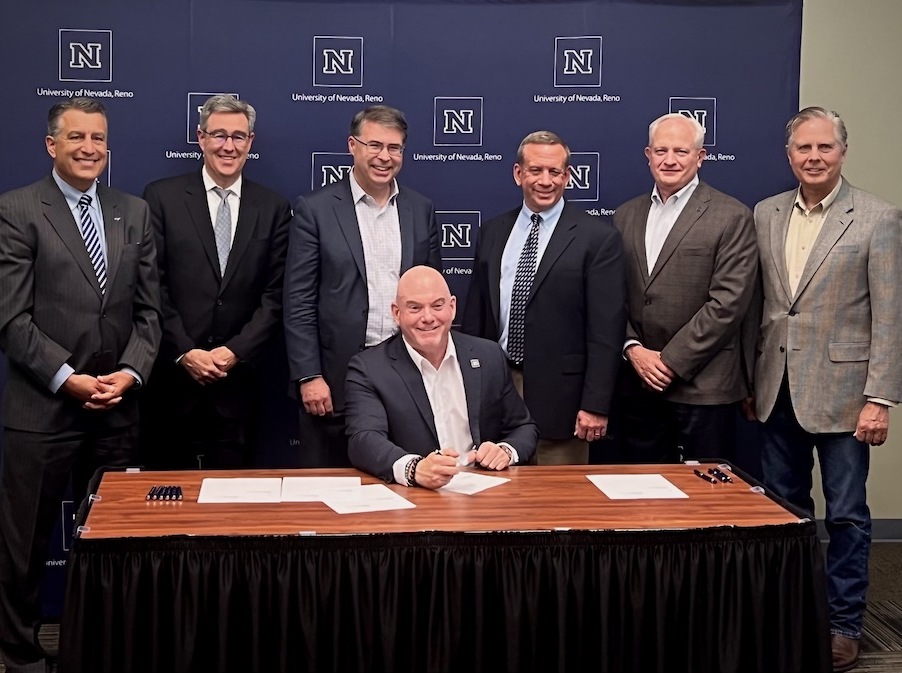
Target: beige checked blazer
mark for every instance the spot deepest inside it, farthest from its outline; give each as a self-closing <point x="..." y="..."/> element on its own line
<point x="839" y="339"/>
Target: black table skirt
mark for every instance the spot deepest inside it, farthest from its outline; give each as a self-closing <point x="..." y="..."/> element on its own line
<point x="726" y="599"/>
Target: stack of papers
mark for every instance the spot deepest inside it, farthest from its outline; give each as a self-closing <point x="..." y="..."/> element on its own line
<point x="345" y="495"/>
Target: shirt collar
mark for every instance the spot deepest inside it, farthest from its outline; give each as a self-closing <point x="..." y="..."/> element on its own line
<point x="72" y="195"/>
<point x="690" y="186"/>
<point x="421" y="362"/>
<point x="209" y="183"/>
<point x="547" y="215"/>
<point x="826" y="202"/>
<point x="357" y="192"/>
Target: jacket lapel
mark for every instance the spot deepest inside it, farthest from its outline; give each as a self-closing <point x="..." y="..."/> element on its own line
<point x="692" y="211"/>
<point x="406" y="225"/>
<point x="248" y="213"/>
<point x="57" y="212"/>
<point x="199" y="213"/>
<point x="471" y="372"/>
<point x="114" y="232"/>
<point x="835" y="224"/>
<point x="494" y="265"/>
<point x="637" y="233"/>
<point x="346" y="221"/>
<point x="413" y="381"/>
<point x="778" y="228"/>
<point x="564" y="232"/>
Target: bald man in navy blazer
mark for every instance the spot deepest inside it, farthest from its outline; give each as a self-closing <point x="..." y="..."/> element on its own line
<point x="80" y="332"/>
<point x="426" y="402"/>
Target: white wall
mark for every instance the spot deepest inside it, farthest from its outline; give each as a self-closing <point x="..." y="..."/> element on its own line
<point x="852" y="63"/>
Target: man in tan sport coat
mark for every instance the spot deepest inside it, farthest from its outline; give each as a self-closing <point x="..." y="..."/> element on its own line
<point x="830" y="353"/>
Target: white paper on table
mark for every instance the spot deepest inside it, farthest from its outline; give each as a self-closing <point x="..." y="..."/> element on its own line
<point x="369" y="498"/>
<point x="469" y="483"/>
<point x="314" y="489"/>
<point x="240" y="489"/>
<point x="635" y="486"/>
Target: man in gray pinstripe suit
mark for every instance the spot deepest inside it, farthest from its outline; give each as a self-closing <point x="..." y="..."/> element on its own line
<point x="830" y="353"/>
<point x="80" y="326"/>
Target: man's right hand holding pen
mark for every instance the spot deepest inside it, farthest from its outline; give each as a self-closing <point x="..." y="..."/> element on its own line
<point x="440" y="466"/>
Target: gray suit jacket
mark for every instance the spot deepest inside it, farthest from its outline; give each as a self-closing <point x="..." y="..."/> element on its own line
<point x="389" y="415"/>
<point x="325" y="295"/>
<point x="839" y="338"/>
<point x="692" y="304"/>
<point x="52" y="311"/>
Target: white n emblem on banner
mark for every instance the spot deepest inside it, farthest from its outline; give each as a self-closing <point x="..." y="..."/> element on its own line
<point x="458" y="121"/>
<point x="578" y="61"/>
<point x="338" y="61"/>
<point x="456" y="235"/>
<point x="579" y="177"/>
<point x="84" y="55"/>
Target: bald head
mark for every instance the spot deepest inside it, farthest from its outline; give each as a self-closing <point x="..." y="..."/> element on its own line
<point x="421" y="278"/>
<point x="424" y="309"/>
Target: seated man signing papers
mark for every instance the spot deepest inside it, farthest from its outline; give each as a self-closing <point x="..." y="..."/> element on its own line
<point x="423" y="403"/>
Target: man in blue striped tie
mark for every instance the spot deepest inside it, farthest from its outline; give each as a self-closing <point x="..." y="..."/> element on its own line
<point x="80" y="326"/>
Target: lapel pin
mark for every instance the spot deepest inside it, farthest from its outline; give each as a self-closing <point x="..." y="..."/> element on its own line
<point x="474" y="363"/>
<point x="117" y="218"/>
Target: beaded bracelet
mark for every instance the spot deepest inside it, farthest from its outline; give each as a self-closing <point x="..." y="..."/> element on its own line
<point x="410" y="471"/>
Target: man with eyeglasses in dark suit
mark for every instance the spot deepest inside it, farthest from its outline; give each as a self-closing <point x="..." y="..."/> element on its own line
<point x="348" y="245"/>
<point x="221" y="242"/>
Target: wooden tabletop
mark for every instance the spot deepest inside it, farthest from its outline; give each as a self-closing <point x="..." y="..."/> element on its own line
<point x="536" y="498"/>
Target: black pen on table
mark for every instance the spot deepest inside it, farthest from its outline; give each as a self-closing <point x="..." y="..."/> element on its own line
<point x="723" y="476"/>
<point x="706" y="477"/>
<point x="151" y="494"/>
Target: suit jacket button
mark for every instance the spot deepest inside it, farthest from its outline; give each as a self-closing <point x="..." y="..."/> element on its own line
<point x="209" y="339"/>
<point x="792" y="313"/>
<point x="782" y="350"/>
<point x="648" y="302"/>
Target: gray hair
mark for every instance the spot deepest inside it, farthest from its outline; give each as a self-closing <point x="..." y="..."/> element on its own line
<point x="542" y="138"/>
<point x="814" y="112"/>
<point x="80" y="103"/>
<point x="382" y="115"/>
<point x="697" y="128"/>
<point x="224" y="103"/>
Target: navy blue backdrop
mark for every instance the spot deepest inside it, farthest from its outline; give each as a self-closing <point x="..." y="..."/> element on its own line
<point x="472" y="77"/>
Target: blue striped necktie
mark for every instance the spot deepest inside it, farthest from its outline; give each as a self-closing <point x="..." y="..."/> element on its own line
<point x="91" y="236"/>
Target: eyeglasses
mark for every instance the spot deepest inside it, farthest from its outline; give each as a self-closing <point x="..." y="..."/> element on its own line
<point x="375" y="147"/>
<point x="220" y="137"/>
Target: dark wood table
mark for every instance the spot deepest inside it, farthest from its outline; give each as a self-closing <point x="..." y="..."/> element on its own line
<point x="542" y="573"/>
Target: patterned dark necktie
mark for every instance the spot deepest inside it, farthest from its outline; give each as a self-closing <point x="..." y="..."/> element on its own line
<point x="526" y="271"/>
<point x="92" y="240"/>
<point x="223" y="228"/>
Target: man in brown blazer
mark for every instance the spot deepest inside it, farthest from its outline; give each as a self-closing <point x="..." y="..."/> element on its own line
<point x="830" y="353"/>
<point x="691" y="266"/>
<point x="80" y="326"/>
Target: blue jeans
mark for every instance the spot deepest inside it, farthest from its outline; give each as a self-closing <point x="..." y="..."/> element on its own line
<point x="787" y="462"/>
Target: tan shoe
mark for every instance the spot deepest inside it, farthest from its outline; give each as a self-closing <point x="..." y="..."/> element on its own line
<point x="845" y="652"/>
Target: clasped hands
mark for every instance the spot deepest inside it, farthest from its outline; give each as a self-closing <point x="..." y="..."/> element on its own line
<point x="98" y="393"/>
<point x="208" y="366"/>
